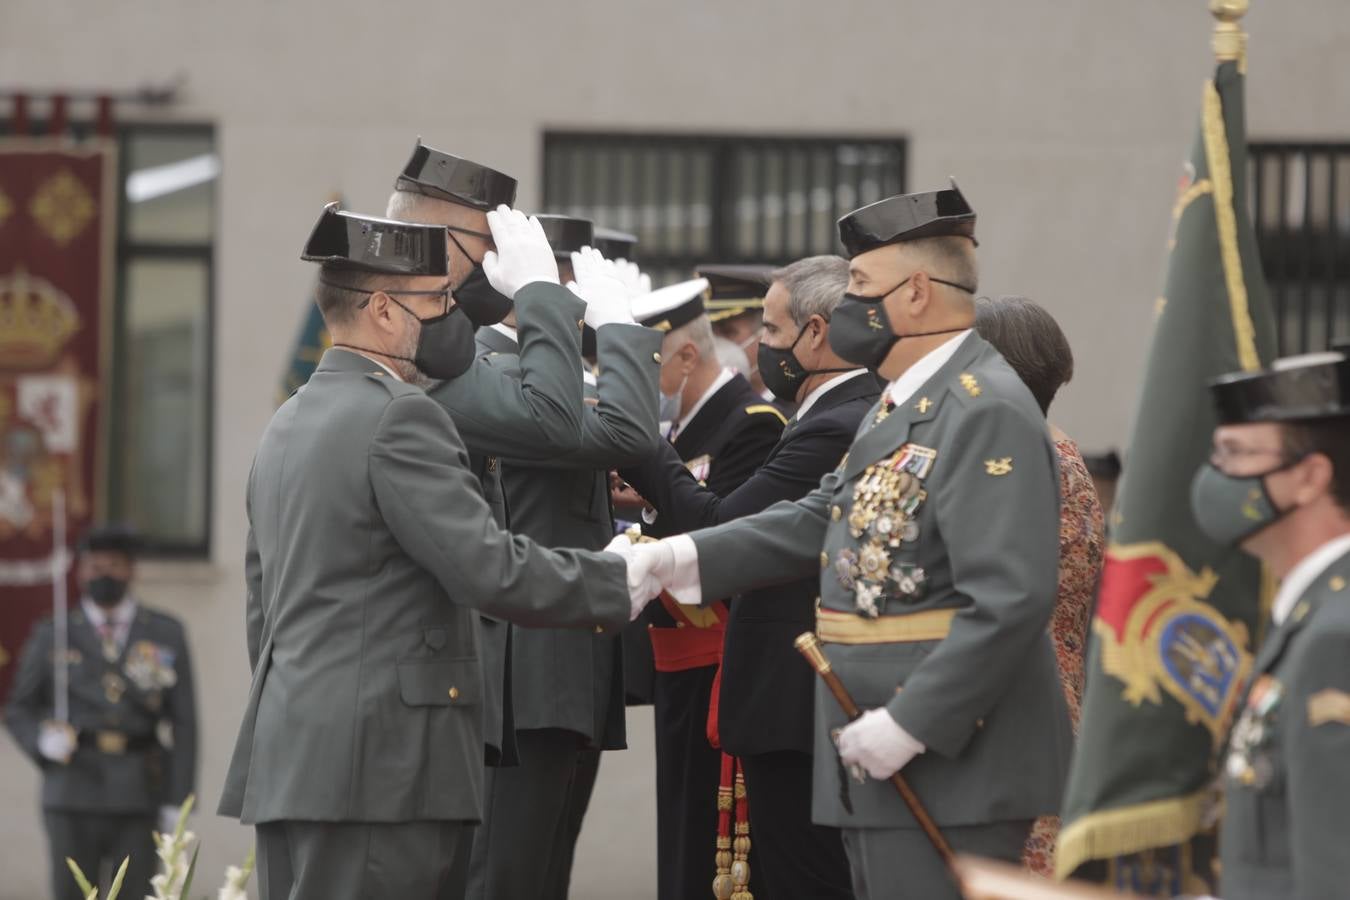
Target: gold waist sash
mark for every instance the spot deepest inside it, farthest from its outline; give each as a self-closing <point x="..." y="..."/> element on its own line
<point x="836" y="627"/>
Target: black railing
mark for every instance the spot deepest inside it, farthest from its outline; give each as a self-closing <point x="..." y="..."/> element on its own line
<point x="1301" y="207"/>
<point x="698" y="199"/>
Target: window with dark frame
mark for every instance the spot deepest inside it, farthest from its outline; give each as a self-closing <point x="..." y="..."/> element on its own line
<point x="1300" y="197"/>
<point x="159" y="460"/>
<point x="718" y="198"/>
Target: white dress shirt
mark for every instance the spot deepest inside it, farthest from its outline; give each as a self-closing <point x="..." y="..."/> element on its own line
<point x="119" y="617"/>
<point x="506" y="330"/>
<point x="822" y="390"/>
<point x="1304" y="573"/>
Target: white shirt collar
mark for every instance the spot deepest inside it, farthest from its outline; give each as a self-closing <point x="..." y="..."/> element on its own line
<point x="120" y="615"/>
<point x="823" y="389"/>
<point x="506" y="330"/>
<point x="1302" y="575"/>
<point x="913" y="378"/>
<point x="718" y="383"/>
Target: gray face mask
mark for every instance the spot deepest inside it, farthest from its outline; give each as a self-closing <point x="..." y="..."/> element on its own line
<point x="1231" y="508"/>
<point x="668" y="410"/>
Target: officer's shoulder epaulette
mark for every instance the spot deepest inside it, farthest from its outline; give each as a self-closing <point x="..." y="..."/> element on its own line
<point x="395" y="387"/>
<point x="761" y="409"/>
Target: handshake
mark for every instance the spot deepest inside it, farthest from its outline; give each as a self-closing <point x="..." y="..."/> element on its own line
<point x="669" y="565"/>
<point x="523" y="256"/>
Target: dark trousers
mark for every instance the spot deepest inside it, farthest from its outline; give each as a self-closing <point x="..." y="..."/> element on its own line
<point x="688" y="771"/>
<point x="900" y="863"/>
<point x="363" y="860"/>
<point x="98" y="842"/>
<point x="578" y="801"/>
<point x="524" y="818"/>
<point x="795" y="858"/>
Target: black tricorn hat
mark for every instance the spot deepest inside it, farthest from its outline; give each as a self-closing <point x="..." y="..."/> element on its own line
<point x="614" y="244"/>
<point x="567" y="234"/>
<point x="456" y="180"/>
<point x="735" y="289"/>
<point x="907" y="217"/>
<point x="111" y="538"/>
<point x="1296" y="388"/>
<point x="348" y="240"/>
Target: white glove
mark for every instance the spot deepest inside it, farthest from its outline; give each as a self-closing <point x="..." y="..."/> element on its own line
<point x="56" y="741"/>
<point x="523" y="255"/>
<point x="640" y="588"/>
<point x="597" y="282"/>
<point x="168" y="819"/>
<point x="877" y="743"/>
<point x="638" y="284"/>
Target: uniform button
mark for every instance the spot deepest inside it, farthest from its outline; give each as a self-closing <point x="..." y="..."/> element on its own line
<point x="1337" y="583"/>
<point x="581" y="322"/>
<point x="836" y="513"/>
<point x="824" y="560"/>
<point x="657" y="356"/>
<point x="979" y="723"/>
<point x="599" y="629"/>
<point x="454" y="693"/>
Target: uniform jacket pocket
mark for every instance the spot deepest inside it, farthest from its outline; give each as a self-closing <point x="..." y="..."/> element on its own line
<point x="440" y="682"/>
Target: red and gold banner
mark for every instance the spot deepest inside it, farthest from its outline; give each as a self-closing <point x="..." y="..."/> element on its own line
<point x="58" y="214"/>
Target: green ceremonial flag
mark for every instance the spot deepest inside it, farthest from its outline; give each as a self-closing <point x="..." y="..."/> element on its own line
<point x="310" y="343"/>
<point x="1177" y="616"/>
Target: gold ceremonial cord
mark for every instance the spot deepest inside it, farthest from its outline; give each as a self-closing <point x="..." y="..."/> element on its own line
<point x="1221" y="174"/>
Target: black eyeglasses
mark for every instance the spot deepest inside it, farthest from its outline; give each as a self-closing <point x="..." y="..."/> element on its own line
<point x="443" y="292"/>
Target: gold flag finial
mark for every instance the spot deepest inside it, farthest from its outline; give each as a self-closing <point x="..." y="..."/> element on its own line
<point x="1230" y="41"/>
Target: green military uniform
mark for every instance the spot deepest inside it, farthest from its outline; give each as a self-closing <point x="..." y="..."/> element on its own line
<point x="1287" y="770"/>
<point x="943" y="519"/>
<point x="535" y="412"/>
<point x="133" y="709"/>
<point x="1287" y="789"/>
<point x="370" y="550"/>
<point x="567" y="686"/>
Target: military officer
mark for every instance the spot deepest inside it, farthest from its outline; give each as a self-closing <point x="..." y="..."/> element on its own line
<point x="735" y="306"/>
<point x="359" y="759"/>
<point x="935" y="541"/>
<point x="567" y="691"/>
<point x="1278" y="486"/>
<point x="537" y="412"/>
<point x="764" y="701"/>
<point x="722" y="431"/>
<point x="127" y="758"/>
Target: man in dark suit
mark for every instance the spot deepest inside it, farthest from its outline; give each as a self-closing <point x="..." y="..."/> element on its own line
<point x="370" y="548"/>
<point x="721" y="430"/>
<point x="764" y="705"/>
<point x="126" y="759"/>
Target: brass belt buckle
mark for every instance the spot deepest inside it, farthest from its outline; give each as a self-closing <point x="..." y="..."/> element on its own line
<point x="113" y="743"/>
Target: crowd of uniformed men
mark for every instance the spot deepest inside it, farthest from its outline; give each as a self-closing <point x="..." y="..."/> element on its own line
<point x="438" y="609"/>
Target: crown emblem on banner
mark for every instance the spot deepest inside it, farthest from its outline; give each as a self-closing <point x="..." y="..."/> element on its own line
<point x="36" y="320"/>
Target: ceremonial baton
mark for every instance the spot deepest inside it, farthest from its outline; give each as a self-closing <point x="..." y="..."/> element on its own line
<point x="809" y="646"/>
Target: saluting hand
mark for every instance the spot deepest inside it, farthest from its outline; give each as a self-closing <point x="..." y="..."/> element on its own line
<point x="597" y="282"/>
<point x="876" y="742"/>
<point x="523" y="255"/>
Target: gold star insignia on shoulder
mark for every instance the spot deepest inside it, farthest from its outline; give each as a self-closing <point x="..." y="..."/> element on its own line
<point x="923" y="405"/>
<point x="970" y="384"/>
<point x="1337" y="583"/>
<point x="1000" y="466"/>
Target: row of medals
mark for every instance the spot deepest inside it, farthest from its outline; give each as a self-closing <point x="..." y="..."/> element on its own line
<point x="886" y="502"/>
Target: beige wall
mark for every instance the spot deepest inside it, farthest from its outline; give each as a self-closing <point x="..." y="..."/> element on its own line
<point x="1065" y="122"/>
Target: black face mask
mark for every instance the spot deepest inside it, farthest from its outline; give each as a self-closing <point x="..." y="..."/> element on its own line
<point x="445" y="347"/>
<point x="106" y="591"/>
<point x="860" y="330"/>
<point x="783" y="373"/>
<point x="481" y="302"/>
